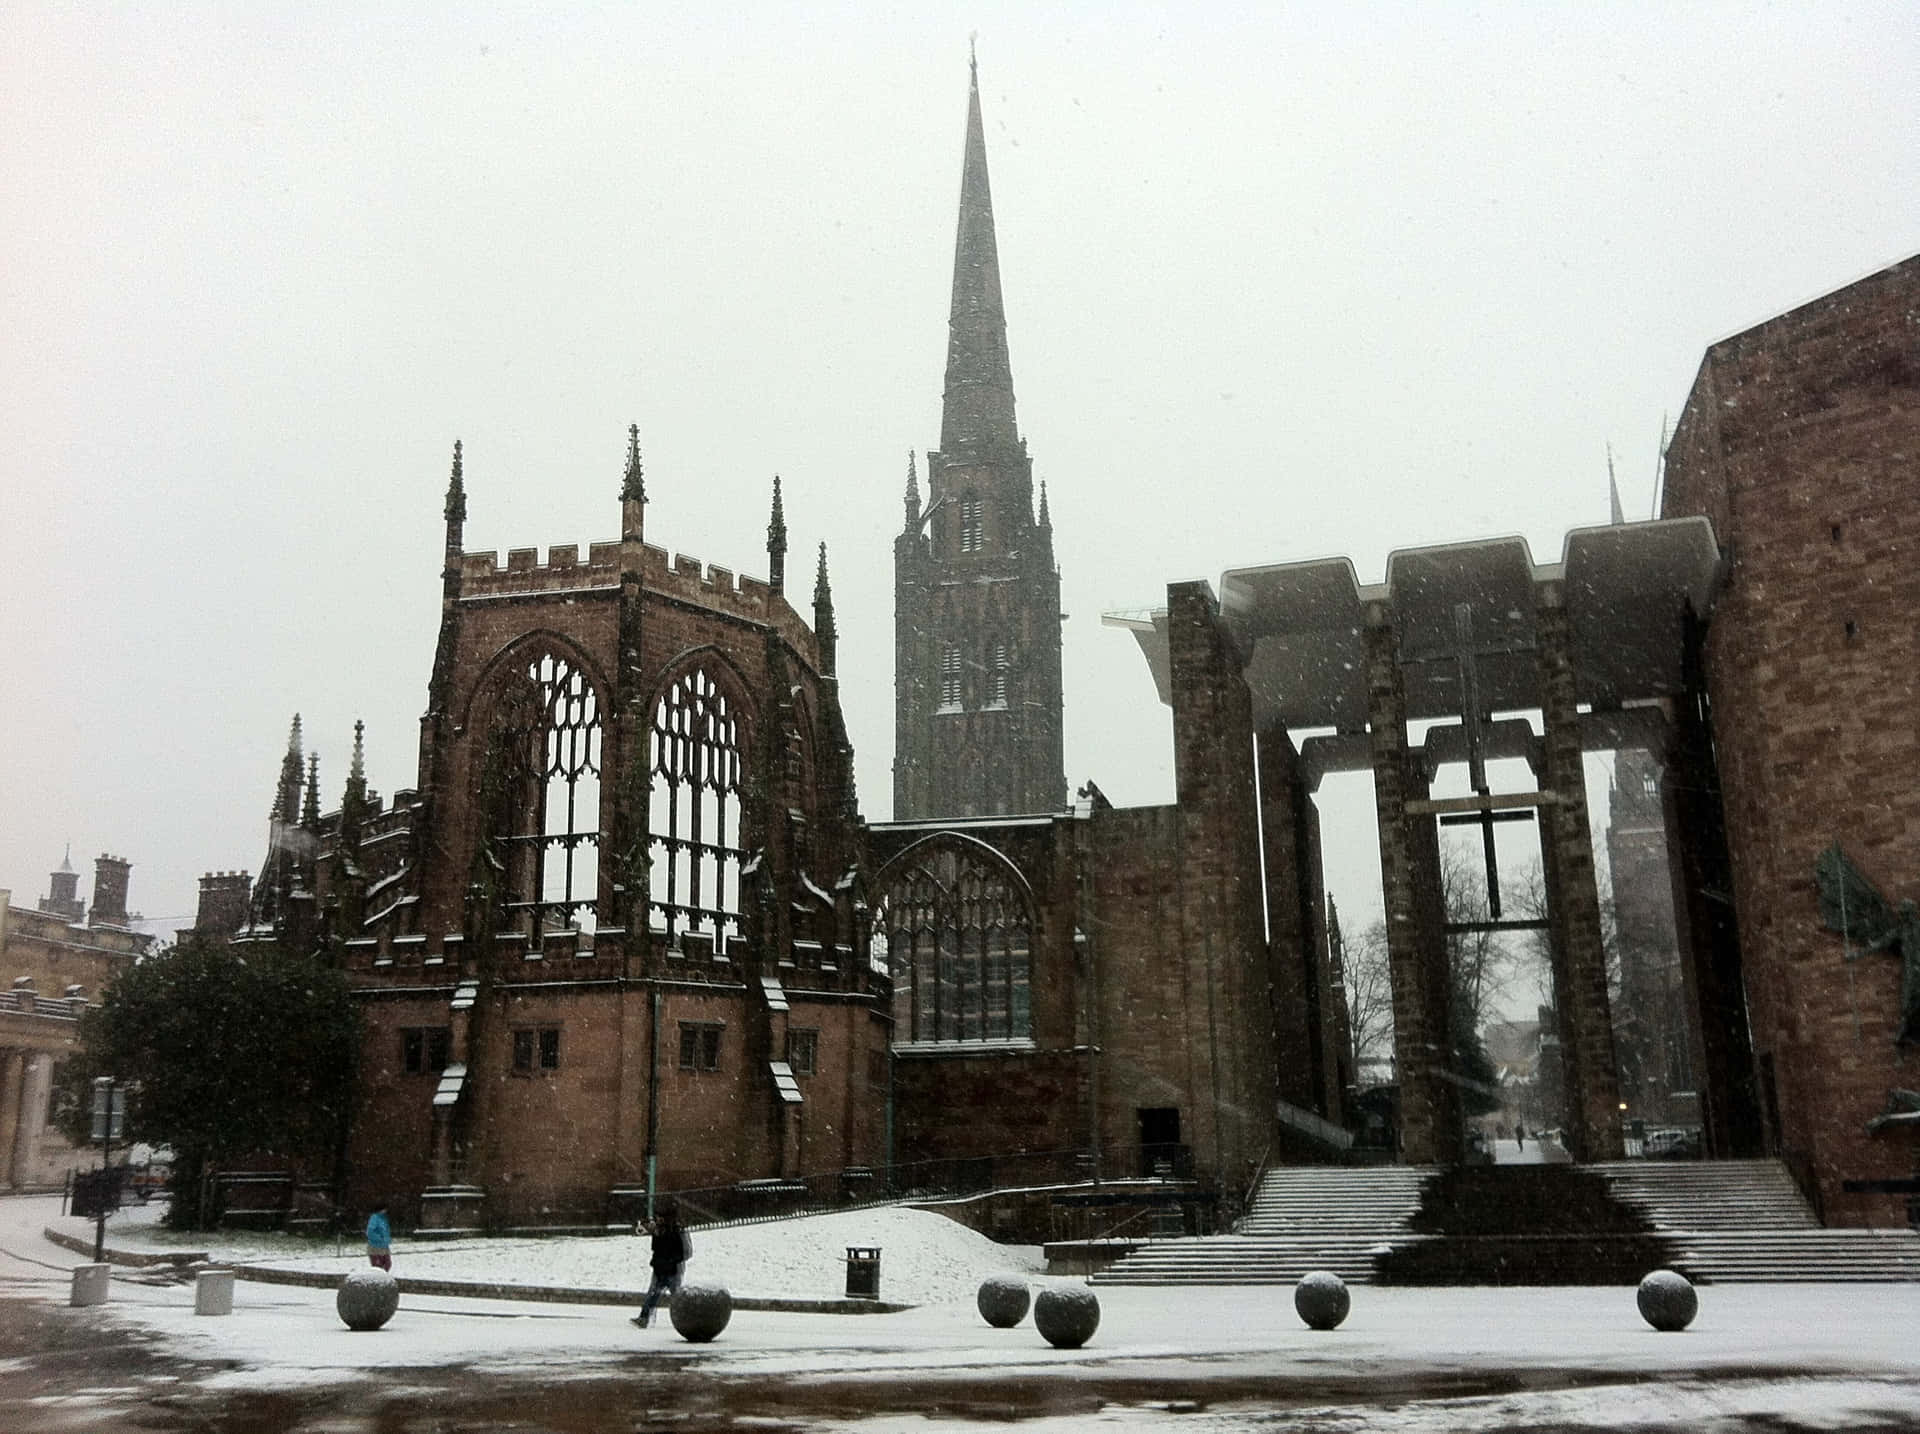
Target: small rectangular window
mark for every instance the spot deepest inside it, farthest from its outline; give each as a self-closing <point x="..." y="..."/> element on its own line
<point x="536" y="1048"/>
<point x="425" y="1049"/>
<point x="699" y="1046"/>
<point x="803" y="1052"/>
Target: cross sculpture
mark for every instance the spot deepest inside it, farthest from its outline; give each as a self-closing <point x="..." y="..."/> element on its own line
<point x="1868" y="922"/>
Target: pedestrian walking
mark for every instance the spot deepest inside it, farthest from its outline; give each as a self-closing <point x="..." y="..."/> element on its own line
<point x="672" y="1248"/>
<point x="379" y="1239"/>
<point x="1519" y="1136"/>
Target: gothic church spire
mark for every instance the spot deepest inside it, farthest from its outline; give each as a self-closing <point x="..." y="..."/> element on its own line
<point x="977" y="414"/>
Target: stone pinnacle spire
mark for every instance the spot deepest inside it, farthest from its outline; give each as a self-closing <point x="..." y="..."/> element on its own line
<point x="777" y="543"/>
<point x="1046" y="520"/>
<point x="978" y="409"/>
<point x="824" y="629"/>
<point x="633" y="485"/>
<point x="456" y="490"/>
<point x="913" y="494"/>
<point x="286" y="796"/>
<point x="1618" y="514"/>
<point x="358" y="771"/>
<point x="310" y="815"/>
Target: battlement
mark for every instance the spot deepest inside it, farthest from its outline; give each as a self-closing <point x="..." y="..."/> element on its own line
<point x="676" y="575"/>
<point x="483" y="574"/>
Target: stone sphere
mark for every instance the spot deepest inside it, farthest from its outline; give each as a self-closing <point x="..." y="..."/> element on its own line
<point x="700" y="1312"/>
<point x="1321" y="1299"/>
<point x="1667" y="1300"/>
<point x="367" y="1299"/>
<point x="1003" y="1300"/>
<point x="1066" y="1315"/>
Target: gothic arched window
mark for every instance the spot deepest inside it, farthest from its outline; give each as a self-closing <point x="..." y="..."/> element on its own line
<point x="693" y="843"/>
<point x="958" y="931"/>
<point x="546" y="763"/>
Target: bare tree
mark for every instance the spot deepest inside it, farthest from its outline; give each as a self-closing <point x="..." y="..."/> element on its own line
<point x="1369" y="986"/>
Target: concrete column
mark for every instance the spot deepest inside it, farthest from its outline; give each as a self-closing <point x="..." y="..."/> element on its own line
<point x="1435" y="965"/>
<point x="1593" y="1093"/>
<point x="1294" y="938"/>
<point x="1416" y="1060"/>
<point x="13" y="1076"/>
<point x="37" y="1078"/>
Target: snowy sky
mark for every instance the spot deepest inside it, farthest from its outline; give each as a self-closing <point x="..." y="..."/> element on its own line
<point x="1282" y="282"/>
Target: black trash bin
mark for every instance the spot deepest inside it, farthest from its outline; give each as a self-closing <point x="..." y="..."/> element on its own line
<point x="863" y="1272"/>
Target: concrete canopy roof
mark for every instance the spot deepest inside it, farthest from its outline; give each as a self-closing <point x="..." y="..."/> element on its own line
<point x="1300" y="627"/>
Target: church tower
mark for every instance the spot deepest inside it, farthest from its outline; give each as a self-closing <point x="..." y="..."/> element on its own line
<point x="976" y="593"/>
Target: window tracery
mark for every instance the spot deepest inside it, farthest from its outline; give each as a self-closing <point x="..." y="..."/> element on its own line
<point x="694" y="814"/>
<point x="958" y="935"/>
<point x="546" y="734"/>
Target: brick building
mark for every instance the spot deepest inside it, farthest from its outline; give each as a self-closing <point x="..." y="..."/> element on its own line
<point x="52" y="964"/>
<point x="615" y="933"/>
<point x="1800" y="440"/>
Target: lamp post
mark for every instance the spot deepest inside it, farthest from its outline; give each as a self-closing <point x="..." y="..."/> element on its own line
<point x="108" y="1108"/>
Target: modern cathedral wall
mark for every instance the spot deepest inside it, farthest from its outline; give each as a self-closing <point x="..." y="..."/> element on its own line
<point x="1801" y="441"/>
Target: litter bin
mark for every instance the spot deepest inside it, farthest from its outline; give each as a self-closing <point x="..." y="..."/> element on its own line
<point x="863" y="1272"/>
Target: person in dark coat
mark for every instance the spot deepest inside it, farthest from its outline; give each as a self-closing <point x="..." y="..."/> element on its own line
<point x="671" y="1250"/>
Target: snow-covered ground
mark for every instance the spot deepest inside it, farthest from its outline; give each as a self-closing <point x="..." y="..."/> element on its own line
<point x="924" y="1258"/>
<point x="1223" y="1359"/>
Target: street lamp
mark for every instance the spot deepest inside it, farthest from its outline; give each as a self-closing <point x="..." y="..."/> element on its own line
<point x="109" y="1110"/>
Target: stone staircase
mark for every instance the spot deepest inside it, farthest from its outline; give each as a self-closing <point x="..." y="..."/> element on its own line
<point x="1732" y="1221"/>
<point x="1724" y="1222"/>
<point x="1303" y="1217"/>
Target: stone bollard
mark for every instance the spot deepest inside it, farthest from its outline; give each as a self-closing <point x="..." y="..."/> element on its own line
<point x="213" y="1292"/>
<point x="1321" y="1299"/>
<point x="701" y="1311"/>
<point x="1003" y="1300"/>
<point x="90" y="1284"/>
<point x="1667" y="1301"/>
<point x="367" y="1299"/>
<point x="1066" y="1315"/>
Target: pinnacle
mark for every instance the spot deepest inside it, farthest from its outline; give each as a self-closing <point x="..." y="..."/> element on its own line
<point x="633" y="488"/>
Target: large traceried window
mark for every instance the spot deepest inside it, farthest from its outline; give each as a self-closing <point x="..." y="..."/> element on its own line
<point x="958" y="931"/>
<point x="693" y="826"/>
<point x="546" y="734"/>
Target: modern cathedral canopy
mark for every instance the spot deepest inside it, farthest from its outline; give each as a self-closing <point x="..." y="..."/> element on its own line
<point x="1300" y="628"/>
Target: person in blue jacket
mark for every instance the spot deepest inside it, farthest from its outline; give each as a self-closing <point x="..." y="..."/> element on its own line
<point x="379" y="1239"/>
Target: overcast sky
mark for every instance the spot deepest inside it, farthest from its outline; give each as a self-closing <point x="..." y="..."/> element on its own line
<point x="1281" y="282"/>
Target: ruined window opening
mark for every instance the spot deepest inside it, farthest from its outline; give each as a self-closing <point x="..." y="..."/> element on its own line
<point x="694" y="815"/>
<point x="972" y="525"/>
<point x="958" y="935"/>
<point x="547" y="734"/>
<point x="950" y="676"/>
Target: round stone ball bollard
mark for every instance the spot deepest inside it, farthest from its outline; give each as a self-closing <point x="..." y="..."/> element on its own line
<point x="700" y="1312"/>
<point x="1668" y="1301"/>
<point x="1066" y="1315"/>
<point x="1321" y="1299"/>
<point x="367" y="1299"/>
<point x="1003" y="1300"/>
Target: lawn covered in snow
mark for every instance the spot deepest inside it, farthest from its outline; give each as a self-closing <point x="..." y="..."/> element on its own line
<point x="925" y="1258"/>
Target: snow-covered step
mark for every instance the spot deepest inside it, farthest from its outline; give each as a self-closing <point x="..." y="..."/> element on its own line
<point x="1741" y="1195"/>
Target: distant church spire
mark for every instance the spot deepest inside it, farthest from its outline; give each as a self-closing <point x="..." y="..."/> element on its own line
<point x="456" y="491"/>
<point x="978" y="409"/>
